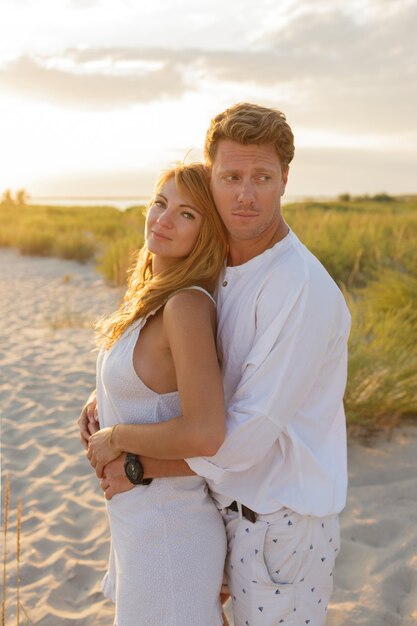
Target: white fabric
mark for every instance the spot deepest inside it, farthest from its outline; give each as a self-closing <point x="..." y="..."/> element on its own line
<point x="281" y="571"/>
<point x="196" y="288"/>
<point x="168" y="539"/>
<point x="283" y="327"/>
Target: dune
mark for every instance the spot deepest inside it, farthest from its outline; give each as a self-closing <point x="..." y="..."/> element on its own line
<point x="47" y="369"/>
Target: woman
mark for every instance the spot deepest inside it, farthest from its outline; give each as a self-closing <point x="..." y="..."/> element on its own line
<point x="158" y="368"/>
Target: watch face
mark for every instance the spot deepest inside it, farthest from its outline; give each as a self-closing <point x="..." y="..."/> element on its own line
<point x="132" y="469"/>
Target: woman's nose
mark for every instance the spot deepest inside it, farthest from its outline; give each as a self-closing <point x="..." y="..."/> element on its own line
<point x="165" y="218"/>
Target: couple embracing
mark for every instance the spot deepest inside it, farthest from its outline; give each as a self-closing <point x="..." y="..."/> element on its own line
<point x="221" y="441"/>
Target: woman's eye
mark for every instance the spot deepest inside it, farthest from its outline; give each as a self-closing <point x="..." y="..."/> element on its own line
<point x="188" y="215"/>
<point x="159" y="203"/>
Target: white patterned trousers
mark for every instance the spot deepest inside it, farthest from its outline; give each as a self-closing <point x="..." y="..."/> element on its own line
<point x="280" y="568"/>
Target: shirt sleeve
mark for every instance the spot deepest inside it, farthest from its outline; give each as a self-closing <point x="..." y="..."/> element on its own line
<point x="292" y="344"/>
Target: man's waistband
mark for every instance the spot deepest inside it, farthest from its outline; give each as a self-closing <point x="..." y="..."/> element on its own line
<point x="252" y="516"/>
<point x="280" y="513"/>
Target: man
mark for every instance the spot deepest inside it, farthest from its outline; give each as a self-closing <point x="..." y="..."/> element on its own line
<point x="280" y="476"/>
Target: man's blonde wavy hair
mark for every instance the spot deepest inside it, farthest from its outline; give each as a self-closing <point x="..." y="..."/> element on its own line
<point x="145" y="292"/>
<point x="251" y="124"/>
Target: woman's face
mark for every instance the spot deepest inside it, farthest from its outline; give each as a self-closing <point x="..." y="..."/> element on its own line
<point x="173" y="224"/>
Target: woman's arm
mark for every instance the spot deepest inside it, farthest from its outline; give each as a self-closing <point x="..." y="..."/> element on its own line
<point x="200" y="429"/>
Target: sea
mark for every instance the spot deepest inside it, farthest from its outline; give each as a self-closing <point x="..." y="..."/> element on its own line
<point x="123" y="203"/>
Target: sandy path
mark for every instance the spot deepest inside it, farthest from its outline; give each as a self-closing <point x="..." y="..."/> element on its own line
<point x="46" y="372"/>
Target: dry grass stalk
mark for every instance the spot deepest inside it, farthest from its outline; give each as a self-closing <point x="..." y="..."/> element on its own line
<point x="29" y="621"/>
<point x="5" y="527"/>
<point x="18" y="530"/>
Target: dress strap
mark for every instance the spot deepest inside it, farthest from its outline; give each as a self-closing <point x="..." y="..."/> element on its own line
<point x="142" y="321"/>
<point x="197" y="288"/>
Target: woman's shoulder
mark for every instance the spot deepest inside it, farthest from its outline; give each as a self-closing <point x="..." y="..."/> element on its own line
<point x="189" y="305"/>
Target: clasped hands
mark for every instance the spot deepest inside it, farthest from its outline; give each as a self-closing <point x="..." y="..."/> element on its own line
<point x="107" y="461"/>
<point x="101" y="450"/>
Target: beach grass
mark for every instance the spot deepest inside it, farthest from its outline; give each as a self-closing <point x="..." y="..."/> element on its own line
<point x="118" y="258"/>
<point x="5" y="523"/>
<point x="368" y="245"/>
<point x="369" y="248"/>
<point x="78" y="233"/>
<point x="8" y="592"/>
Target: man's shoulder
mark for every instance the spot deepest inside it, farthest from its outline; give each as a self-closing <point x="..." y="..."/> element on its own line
<point x="294" y="270"/>
<point x="287" y="263"/>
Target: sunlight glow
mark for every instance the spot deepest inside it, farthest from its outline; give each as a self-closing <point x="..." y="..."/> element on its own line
<point x="110" y="86"/>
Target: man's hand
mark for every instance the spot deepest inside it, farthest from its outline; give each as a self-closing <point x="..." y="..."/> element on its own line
<point x="114" y="479"/>
<point x="88" y="420"/>
<point x="100" y="452"/>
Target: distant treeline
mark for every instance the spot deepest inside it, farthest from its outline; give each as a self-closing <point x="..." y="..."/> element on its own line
<point x="378" y="197"/>
<point x="20" y="198"/>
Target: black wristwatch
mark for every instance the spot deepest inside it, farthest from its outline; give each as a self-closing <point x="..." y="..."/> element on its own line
<point x="134" y="470"/>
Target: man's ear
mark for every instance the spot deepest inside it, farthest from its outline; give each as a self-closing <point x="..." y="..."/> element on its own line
<point x="285" y="179"/>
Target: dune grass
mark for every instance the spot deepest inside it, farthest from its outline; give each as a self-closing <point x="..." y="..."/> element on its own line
<point x="78" y="233"/>
<point x="369" y="247"/>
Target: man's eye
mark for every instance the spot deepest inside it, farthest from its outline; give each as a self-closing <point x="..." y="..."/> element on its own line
<point x="230" y="178"/>
<point x="264" y="177"/>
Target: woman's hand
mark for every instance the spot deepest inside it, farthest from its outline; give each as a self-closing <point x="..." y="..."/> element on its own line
<point x="88" y="420"/>
<point x="101" y="449"/>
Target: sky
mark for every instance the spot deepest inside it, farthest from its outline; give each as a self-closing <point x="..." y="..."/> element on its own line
<point x="98" y="96"/>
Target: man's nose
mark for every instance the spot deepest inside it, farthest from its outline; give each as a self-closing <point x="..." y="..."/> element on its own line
<point x="246" y="193"/>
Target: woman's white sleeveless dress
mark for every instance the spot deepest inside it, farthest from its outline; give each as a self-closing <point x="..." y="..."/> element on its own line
<point x="168" y="541"/>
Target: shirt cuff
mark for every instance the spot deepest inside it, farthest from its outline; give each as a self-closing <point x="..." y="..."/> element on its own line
<point x="202" y="467"/>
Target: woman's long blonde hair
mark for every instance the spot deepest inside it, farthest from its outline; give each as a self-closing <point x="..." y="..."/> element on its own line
<point x="145" y="292"/>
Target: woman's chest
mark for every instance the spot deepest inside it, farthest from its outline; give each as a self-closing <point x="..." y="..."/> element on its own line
<point x="152" y="359"/>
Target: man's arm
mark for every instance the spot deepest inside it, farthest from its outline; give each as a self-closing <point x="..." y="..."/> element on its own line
<point x="114" y="479"/>
<point x="293" y="355"/>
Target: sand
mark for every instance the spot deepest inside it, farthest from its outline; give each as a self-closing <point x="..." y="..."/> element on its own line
<point x="47" y="368"/>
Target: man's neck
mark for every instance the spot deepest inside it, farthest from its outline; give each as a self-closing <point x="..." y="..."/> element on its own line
<point x="241" y="251"/>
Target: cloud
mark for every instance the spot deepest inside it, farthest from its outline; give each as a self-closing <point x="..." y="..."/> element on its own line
<point x="90" y="89"/>
<point x="352" y="68"/>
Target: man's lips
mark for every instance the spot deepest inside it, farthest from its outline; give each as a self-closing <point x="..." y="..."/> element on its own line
<point x="244" y="215"/>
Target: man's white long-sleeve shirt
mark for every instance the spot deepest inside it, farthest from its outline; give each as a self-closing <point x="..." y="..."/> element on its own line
<point x="283" y="327"/>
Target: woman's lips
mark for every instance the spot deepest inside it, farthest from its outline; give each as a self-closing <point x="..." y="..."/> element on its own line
<point x="158" y="235"/>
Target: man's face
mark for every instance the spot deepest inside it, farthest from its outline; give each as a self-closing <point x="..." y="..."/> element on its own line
<point x="247" y="184"/>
